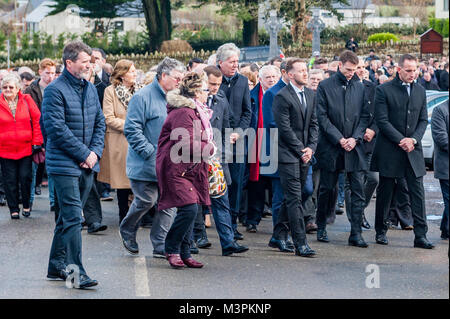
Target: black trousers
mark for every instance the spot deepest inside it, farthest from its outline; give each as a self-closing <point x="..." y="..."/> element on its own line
<point x="400" y="210"/>
<point x="257" y="199"/>
<point x="328" y="196"/>
<point x="292" y="177"/>
<point x="92" y="209"/>
<point x="122" y="199"/>
<point x="15" y="174"/>
<point x="417" y="196"/>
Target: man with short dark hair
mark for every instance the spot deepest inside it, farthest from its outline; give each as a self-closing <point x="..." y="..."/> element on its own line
<point x="401" y="116"/>
<point x="343" y="119"/>
<point x="295" y="116"/>
<point x="75" y="127"/>
<point x="193" y="63"/>
<point x="443" y="78"/>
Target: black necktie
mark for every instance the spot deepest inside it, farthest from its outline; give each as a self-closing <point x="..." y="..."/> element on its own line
<point x="302" y="100"/>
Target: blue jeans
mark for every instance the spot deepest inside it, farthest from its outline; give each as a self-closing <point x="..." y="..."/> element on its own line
<point x="444" y="189"/>
<point x="341" y="189"/>
<point x="277" y="199"/>
<point x="222" y="218"/>
<point x="71" y="195"/>
<point x="33" y="181"/>
<point x="51" y="190"/>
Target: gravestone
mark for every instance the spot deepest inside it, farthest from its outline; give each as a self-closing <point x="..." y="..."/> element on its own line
<point x="273" y="26"/>
<point x="316" y="25"/>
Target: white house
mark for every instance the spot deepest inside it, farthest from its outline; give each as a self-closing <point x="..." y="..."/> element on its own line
<point x="70" y="21"/>
<point x="441" y="9"/>
<point x="359" y="11"/>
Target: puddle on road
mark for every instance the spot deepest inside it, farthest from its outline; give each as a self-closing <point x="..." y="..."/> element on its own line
<point x="434" y="217"/>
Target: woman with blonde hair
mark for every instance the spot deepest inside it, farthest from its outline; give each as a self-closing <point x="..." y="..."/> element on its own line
<point x="183" y="175"/>
<point x="115" y="105"/>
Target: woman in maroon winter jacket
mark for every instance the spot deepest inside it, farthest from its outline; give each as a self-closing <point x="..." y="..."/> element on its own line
<point x="184" y="146"/>
<point x="20" y="136"/>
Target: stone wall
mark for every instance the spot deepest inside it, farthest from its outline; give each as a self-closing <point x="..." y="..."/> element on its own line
<point x="146" y="61"/>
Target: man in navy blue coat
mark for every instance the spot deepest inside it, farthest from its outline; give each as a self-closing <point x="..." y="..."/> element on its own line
<point x="75" y="127"/>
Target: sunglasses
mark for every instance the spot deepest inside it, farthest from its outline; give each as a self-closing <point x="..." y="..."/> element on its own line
<point x="8" y="87"/>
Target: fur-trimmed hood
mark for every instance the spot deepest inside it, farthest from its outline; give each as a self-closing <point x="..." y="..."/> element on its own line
<point x="176" y="101"/>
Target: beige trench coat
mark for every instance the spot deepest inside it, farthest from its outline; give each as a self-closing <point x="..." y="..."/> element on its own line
<point x="114" y="159"/>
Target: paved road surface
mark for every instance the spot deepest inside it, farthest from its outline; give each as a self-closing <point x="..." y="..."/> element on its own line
<point x="339" y="271"/>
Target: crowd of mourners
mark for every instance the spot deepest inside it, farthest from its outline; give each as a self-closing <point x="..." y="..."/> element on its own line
<point x="290" y="139"/>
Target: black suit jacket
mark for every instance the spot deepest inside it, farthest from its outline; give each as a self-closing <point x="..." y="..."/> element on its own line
<point x="342" y="113"/>
<point x="296" y="129"/>
<point x="220" y="121"/>
<point x="398" y="116"/>
<point x="443" y="80"/>
<point x="370" y="97"/>
<point x="101" y="85"/>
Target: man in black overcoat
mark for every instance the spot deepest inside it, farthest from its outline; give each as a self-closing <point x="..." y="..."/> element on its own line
<point x="401" y="116"/>
<point x="343" y="118"/>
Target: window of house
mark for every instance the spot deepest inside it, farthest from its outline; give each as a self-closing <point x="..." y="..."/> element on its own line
<point x="118" y="25"/>
<point x="445" y="5"/>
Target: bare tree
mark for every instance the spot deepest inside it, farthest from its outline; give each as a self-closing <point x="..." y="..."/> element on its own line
<point x="417" y="10"/>
<point x="360" y="13"/>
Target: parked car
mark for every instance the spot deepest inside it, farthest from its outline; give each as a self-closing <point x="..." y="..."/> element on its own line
<point x="434" y="98"/>
<point x="256" y="54"/>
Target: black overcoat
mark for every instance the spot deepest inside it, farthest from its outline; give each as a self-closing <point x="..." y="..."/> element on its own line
<point x="398" y="116"/>
<point x="342" y="112"/>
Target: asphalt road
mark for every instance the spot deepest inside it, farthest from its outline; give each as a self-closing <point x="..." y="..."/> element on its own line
<point x="338" y="271"/>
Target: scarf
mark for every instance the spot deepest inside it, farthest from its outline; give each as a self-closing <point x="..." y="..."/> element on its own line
<point x="205" y="116"/>
<point x="124" y="94"/>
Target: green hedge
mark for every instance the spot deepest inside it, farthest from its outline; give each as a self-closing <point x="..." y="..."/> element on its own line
<point x="382" y="38"/>
<point x="439" y="25"/>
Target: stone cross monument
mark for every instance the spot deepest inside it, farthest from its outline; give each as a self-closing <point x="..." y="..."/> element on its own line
<point x="273" y="26"/>
<point x="316" y="26"/>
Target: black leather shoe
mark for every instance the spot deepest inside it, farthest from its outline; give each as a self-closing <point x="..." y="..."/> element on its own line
<point x="26" y="213"/>
<point x="357" y="241"/>
<point x="203" y="242"/>
<point x="339" y="209"/>
<point x="422" y="242"/>
<point x="322" y="235"/>
<point x="304" y="251"/>
<point x="365" y="224"/>
<point x="381" y="239"/>
<point x="290" y="244"/>
<point x="251" y="228"/>
<point x="58" y="275"/>
<point x="130" y="245"/>
<point x="281" y="245"/>
<point x="235" y="248"/>
<point x="37" y="190"/>
<point x="238" y="235"/>
<point x="96" y="227"/>
<point x="2" y="200"/>
<point x="86" y="282"/>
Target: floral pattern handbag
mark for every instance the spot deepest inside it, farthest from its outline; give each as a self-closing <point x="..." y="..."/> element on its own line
<point x="216" y="178"/>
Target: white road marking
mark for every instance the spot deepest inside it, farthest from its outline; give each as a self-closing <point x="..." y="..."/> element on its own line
<point x="141" y="277"/>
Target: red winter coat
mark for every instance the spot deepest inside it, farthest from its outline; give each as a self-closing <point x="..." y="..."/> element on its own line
<point x="186" y="183"/>
<point x="17" y="135"/>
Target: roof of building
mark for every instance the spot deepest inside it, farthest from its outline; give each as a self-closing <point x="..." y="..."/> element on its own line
<point x="39" y="13"/>
<point x="353" y="4"/>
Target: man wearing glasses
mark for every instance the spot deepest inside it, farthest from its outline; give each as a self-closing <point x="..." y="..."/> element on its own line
<point x="145" y="117"/>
